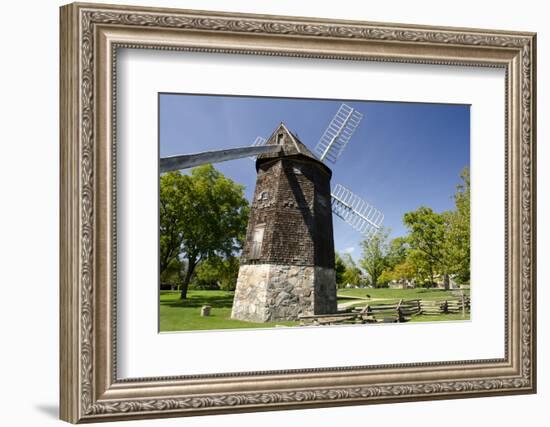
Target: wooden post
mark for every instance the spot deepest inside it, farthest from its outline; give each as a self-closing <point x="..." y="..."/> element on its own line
<point x="399" y="317"/>
<point x="365" y="315"/>
<point x="463" y="305"/>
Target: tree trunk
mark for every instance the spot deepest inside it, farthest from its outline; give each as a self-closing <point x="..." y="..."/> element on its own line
<point x="446" y="282"/>
<point x="432" y="278"/>
<point x="187" y="278"/>
<point x="163" y="264"/>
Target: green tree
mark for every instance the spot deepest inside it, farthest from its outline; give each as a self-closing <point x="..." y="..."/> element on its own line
<point x="421" y="267"/>
<point x="173" y="273"/>
<point x="352" y="273"/>
<point x="440" y="243"/>
<point x="229" y="272"/>
<point x="340" y="268"/>
<point x="385" y="278"/>
<point x="427" y="236"/>
<point x="202" y="215"/>
<point x="217" y="273"/>
<point x="458" y="237"/>
<point x="375" y="251"/>
<point x="402" y="271"/>
<point x="397" y="251"/>
<point x="205" y="275"/>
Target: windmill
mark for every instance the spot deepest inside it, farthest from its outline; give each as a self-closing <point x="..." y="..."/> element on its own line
<point x="287" y="265"/>
<point x="346" y="205"/>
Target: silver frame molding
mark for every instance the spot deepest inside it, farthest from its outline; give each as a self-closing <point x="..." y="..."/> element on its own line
<point x="90" y="37"/>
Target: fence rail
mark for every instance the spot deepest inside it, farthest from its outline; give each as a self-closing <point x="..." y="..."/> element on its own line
<point x="401" y="311"/>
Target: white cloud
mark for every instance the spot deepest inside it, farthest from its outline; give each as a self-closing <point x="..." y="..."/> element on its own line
<point x="349" y="250"/>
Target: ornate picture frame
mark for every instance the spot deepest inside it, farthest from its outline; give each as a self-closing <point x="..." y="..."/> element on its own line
<point x="90" y="37"/>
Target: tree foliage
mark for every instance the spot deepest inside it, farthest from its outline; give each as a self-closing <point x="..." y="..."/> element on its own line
<point x="203" y="215"/>
<point x="216" y="273"/>
<point x="173" y="273"/>
<point x="340" y="268"/>
<point x="437" y="245"/>
<point x="427" y="234"/>
<point x="352" y="273"/>
<point x="459" y="230"/>
<point x="397" y="251"/>
<point x="375" y="255"/>
<point x="440" y="243"/>
<point x="402" y="271"/>
<point x="347" y="271"/>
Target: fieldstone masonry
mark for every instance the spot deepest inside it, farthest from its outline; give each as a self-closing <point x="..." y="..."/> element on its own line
<point x="268" y="293"/>
<point x="287" y="264"/>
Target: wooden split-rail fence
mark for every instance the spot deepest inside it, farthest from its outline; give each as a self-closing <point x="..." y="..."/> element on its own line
<point x="401" y="311"/>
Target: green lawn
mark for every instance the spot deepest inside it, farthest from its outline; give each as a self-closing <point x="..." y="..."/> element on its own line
<point x="389" y="296"/>
<point x="392" y="295"/>
<point x="177" y="315"/>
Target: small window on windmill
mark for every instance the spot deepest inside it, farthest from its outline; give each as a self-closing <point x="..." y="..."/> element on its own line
<point x="257" y="240"/>
<point x="297" y="170"/>
<point x="263" y="196"/>
<point x="280" y="138"/>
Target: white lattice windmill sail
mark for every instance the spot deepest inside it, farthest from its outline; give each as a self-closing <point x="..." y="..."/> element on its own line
<point x="338" y="133"/>
<point x="358" y="213"/>
<point x="258" y="142"/>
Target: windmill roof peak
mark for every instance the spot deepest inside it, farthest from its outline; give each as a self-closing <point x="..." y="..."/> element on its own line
<point x="291" y="146"/>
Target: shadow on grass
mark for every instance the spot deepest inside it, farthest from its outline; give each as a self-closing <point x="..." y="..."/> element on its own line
<point x="220" y="301"/>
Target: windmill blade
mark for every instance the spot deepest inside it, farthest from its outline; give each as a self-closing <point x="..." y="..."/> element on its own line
<point x="355" y="211"/>
<point x="338" y="133"/>
<point x="185" y="161"/>
<point x="258" y="142"/>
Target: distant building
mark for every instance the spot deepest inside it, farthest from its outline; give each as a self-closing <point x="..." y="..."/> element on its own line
<point x="440" y="282"/>
<point x="287" y="264"/>
<point x="402" y="284"/>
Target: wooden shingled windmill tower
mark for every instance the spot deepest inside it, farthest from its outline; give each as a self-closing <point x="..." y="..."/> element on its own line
<point x="287" y="264"/>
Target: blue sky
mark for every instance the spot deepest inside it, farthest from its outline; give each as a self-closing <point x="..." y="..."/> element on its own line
<point x="402" y="155"/>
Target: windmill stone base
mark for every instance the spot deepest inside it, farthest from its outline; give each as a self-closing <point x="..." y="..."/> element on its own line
<point x="269" y="293"/>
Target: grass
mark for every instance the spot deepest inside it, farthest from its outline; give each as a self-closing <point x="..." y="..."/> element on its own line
<point x="390" y="296"/>
<point x="393" y="295"/>
<point x="178" y="315"/>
